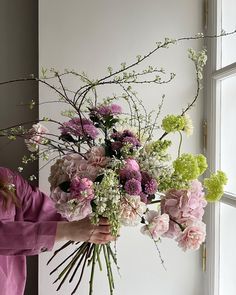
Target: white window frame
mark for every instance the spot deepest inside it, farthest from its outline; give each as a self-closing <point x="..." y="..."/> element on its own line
<point x="214" y="75"/>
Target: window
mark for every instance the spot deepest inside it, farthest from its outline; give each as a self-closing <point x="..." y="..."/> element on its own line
<point x="221" y="149"/>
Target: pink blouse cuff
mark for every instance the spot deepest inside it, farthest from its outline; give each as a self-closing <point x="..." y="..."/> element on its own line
<point x="46" y="235"/>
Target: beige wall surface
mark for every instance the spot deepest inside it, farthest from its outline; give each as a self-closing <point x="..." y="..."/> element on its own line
<point x="90" y="36"/>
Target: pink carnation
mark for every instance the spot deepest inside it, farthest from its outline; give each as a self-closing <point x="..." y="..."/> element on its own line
<point x="96" y="156"/>
<point x="107" y="110"/>
<point x="193" y="236"/>
<point x="131" y="210"/>
<point x="157" y="224"/>
<point x="35" y="136"/>
<point x="79" y="128"/>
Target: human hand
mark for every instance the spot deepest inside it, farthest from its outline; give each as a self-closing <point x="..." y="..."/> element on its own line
<point x="84" y="230"/>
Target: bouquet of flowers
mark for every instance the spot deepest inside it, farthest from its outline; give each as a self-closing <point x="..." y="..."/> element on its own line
<point x="108" y="164"/>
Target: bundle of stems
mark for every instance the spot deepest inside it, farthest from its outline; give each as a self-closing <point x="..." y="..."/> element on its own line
<point x="86" y="254"/>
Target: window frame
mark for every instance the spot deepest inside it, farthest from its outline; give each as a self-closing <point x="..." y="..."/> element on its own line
<point x="214" y="75"/>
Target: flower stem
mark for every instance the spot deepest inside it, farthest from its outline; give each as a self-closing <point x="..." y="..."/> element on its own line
<point x="98" y="258"/>
<point x="180" y="143"/>
<point x="83" y="267"/>
<point x="109" y="272"/>
<point x="60" y="249"/>
<point x="92" y="270"/>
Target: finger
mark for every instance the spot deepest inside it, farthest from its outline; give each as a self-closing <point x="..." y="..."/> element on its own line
<point x="101" y="241"/>
<point x="103" y="221"/>
<point x="106" y="229"/>
<point x="102" y="237"/>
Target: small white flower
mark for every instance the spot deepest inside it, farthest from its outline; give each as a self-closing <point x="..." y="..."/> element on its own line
<point x="20" y="169"/>
<point x="32" y="177"/>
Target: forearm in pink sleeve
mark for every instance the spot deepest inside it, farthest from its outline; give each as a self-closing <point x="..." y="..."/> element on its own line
<point x="26" y="238"/>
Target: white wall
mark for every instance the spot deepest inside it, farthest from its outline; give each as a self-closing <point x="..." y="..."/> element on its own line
<point x="91" y="35"/>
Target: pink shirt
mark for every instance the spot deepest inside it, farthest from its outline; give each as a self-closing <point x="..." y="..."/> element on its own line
<point x="27" y="230"/>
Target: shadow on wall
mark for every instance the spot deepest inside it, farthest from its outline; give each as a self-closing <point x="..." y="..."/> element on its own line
<point x="18" y="58"/>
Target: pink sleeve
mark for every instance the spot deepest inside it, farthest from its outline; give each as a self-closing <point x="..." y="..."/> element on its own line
<point x="26" y="238"/>
<point x="34" y="227"/>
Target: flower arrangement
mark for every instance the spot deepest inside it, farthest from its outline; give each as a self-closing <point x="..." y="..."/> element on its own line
<point x="108" y="163"/>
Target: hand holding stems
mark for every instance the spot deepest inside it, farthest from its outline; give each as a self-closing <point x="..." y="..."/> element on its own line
<point x="84" y="230"/>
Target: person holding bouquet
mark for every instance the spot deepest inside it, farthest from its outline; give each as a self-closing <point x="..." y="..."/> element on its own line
<point x="29" y="225"/>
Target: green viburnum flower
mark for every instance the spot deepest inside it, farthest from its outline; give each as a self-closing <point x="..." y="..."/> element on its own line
<point x="202" y="163"/>
<point x="189" y="167"/>
<point x="158" y="146"/>
<point x="171" y="181"/>
<point x="172" y="123"/>
<point x="188" y="125"/>
<point x="215" y="186"/>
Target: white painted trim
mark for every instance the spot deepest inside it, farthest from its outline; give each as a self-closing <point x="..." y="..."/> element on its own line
<point x="212" y="93"/>
<point x="225" y="72"/>
<point x="229" y="199"/>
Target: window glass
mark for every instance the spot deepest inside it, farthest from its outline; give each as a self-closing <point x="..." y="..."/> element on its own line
<point x="227" y="250"/>
<point x="228" y="24"/>
<point x="228" y="131"/>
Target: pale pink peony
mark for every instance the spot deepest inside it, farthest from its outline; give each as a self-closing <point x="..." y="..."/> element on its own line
<point x="193" y="236"/>
<point x="157" y="224"/>
<point x="131" y="210"/>
<point x="35" y="137"/>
